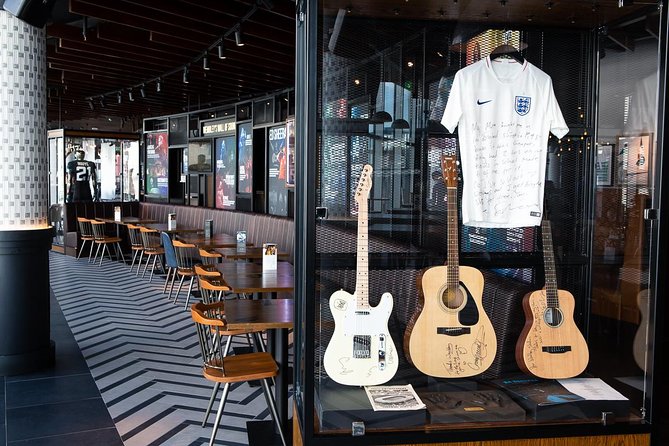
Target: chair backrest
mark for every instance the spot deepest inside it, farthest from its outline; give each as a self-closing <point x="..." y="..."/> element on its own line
<point x="150" y="238"/>
<point x="210" y="288"/>
<point x="85" y="228"/>
<point x="209" y="321"/>
<point x="98" y="229"/>
<point x="135" y="237"/>
<point x="206" y="270"/>
<point x="170" y="254"/>
<point x="185" y="255"/>
<point x="209" y="257"/>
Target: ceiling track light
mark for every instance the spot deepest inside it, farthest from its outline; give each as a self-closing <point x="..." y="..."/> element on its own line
<point x="158" y="85"/>
<point x="102" y="102"/>
<point x="90" y="104"/>
<point x="221" y="51"/>
<point x="84" y="28"/>
<point x="119" y="99"/>
<point x="185" y="75"/>
<point x="130" y="97"/>
<point x="142" y="91"/>
<point x="238" y="37"/>
<point x="205" y="62"/>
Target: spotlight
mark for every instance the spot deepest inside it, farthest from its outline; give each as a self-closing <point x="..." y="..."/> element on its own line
<point x="118" y="97"/>
<point x="102" y="102"/>
<point x="142" y="91"/>
<point x="185" y="75"/>
<point x="130" y="97"/>
<point x="158" y="86"/>
<point x="84" y="28"/>
<point x="221" y="51"/>
<point x="238" y="37"/>
<point x="90" y="104"/>
<point x="205" y="62"/>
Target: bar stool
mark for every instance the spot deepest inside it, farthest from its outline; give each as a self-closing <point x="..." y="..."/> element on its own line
<point x="86" y="235"/>
<point x="151" y="247"/>
<point x="135" y="245"/>
<point x="103" y="240"/>
<point x="219" y="368"/>
<point x="185" y="267"/>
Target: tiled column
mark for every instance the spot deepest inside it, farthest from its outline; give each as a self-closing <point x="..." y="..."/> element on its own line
<point x="25" y="237"/>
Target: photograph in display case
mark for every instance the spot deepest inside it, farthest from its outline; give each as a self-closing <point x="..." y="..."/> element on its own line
<point x="156" y="165"/>
<point x="632" y="159"/>
<point x="199" y="156"/>
<point x="226" y="172"/>
<point x="244" y="158"/>
<point x="277" y="195"/>
<point x="290" y="152"/>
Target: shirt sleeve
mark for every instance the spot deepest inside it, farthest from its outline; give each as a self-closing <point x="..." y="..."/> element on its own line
<point x="453" y="110"/>
<point x="558" y="126"/>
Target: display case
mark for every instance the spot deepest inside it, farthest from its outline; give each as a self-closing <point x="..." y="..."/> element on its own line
<point x="478" y="185"/>
<point x="90" y="166"/>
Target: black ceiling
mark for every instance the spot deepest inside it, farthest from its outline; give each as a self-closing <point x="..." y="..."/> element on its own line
<point x="102" y="53"/>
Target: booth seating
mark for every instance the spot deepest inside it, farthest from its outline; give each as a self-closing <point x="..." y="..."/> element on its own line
<point x="260" y="228"/>
<point x="90" y="210"/>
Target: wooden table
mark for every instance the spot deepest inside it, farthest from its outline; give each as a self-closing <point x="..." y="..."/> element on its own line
<point x="257" y="282"/>
<point x="250" y="253"/>
<point x="215" y="241"/>
<point x="276" y="316"/>
<point x="229" y="269"/>
<point x="162" y="227"/>
<point x="127" y="220"/>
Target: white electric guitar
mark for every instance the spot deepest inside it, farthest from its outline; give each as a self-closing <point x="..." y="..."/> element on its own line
<point x="361" y="351"/>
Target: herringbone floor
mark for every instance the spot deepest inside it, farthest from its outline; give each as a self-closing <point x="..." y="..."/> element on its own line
<point x="144" y="356"/>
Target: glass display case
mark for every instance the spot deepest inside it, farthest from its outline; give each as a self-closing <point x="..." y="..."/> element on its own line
<point x="91" y="166"/>
<point x="477" y="228"/>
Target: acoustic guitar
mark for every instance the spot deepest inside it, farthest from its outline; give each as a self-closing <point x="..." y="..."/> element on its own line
<point x="640" y="344"/>
<point x="450" y="335"/>
<point x="361" y="351"/>
<point x="550" y="345"/>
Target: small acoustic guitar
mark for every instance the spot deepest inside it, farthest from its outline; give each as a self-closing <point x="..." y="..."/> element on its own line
<point x="361" y="351"/>
<point x="451" y="336"/>
<point x="550" y="345"/>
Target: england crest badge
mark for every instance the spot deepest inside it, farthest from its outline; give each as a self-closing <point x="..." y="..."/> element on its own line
<point x="523" y="105"/>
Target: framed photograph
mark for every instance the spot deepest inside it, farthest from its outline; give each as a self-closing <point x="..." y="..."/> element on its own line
<point x="244" y="158"/>
<point x="290" y="152"/>
<point x="277" y="195"/>
<point x="199" y="157"/>
<point x="603" y="165"/>
<point x="156" y="165"/>
<point x="226" y="172"/>
<point x="632" y="159"/>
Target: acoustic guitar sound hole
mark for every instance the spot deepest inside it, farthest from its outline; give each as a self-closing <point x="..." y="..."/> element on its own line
<point x="453" y="298"/>
<point x="553" y="317"/>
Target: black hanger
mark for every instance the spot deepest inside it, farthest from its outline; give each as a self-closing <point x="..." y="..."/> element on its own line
<point x="507" y="51"/>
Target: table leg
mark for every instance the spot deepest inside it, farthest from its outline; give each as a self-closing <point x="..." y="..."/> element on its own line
<point x="278" y="345"/>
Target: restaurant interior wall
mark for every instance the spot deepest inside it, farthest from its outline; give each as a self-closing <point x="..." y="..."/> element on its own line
<point x="233" y="157"/>
<point x="603" y="183"/>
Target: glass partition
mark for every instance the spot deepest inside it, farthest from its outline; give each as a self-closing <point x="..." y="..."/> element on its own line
<point x="478" y="255"/>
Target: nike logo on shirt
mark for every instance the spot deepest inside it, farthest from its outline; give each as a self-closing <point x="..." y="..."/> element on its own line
<point x="480" y="102"/>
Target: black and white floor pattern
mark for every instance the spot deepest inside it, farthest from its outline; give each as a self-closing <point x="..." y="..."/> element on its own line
<point x="144" y="356"/>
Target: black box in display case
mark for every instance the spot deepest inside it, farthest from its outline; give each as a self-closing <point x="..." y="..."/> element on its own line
<point x="471" y="407"/>
<point x="338" y="406"/>
<point x="546" y="400"/>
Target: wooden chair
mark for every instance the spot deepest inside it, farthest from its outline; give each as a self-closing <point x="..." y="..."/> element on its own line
<point x="210" y="257"/>
<point x="217" y="367"/>
<point x="212" y="288"/>
<point x="135" y="245"/>
<point x="170" y="262"/>
<point x="152" y="249"/>
<point x="185" y="267"/>
<point x="86" y="234"/>
<point x="103" y="240"/>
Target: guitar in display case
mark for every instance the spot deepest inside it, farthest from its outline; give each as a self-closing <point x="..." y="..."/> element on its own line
<point x="451" y="336"/>
<point x="550" y="345"/>
<point x="361" y="351"/>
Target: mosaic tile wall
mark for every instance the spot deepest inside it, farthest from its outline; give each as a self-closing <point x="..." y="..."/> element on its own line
<point x="24" y="162"/>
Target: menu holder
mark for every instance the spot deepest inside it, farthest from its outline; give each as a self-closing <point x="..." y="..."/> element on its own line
<point x="171" y="222"/>
<point x="117" y="213"/>
<point x="269" y="255"/>
<point x="208" y="228"/>
<point x="241" y="241"/>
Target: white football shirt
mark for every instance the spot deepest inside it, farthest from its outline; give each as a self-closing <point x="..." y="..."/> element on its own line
<point x="504" y="111"/>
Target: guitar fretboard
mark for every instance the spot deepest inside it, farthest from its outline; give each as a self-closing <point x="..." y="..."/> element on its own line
<point x="549" y="265"/>
<point x="362" y="269"/>
<point x="452" y="268"/>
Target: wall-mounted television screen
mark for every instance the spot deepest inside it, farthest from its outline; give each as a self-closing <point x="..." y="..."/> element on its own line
<point x="226" y="172"/>
<point x="156" y="164"/>
<point x="277" y="196"/>
<point x="245" y="158"/>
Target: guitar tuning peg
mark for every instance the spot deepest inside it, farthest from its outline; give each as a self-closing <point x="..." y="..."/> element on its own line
<point x="457" y="163"/>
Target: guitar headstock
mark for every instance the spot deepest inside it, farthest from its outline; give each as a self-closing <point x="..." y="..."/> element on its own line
<point x="364" y="185"/>
<point x="449" y="170"/>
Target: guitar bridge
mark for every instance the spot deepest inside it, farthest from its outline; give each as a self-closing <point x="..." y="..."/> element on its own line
<point x="382" y="352"/>
<point x="556" y="349"/>
<point x="361" y="346"/>
<point x="453" y="331"/>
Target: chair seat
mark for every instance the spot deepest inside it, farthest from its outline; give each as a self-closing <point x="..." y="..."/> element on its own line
<point x="108" y="239"/>
<point x="87" y="237"/>
<point x="154" y="251"/>
<point x="244" y="367"/>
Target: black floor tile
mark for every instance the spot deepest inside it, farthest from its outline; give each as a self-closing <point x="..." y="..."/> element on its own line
<point x="51" y="390"/>
<point x="57" y="419"/>
<point x="100" y="437"/>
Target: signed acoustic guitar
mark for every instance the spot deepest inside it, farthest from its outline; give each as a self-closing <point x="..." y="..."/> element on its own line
<point x="550" y="345"/>
<point x="451" y="336"/>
